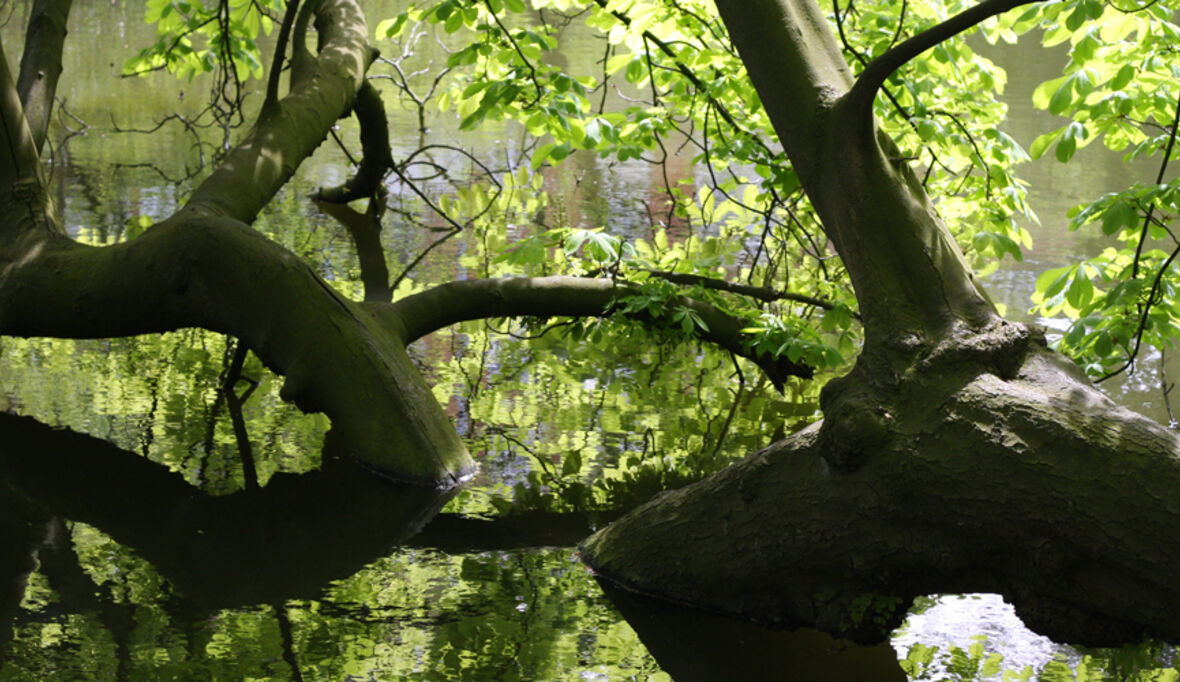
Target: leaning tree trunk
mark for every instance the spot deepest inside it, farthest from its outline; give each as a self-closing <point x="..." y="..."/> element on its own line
<point x="960" y="454"/>
<point x="205" y="267"/>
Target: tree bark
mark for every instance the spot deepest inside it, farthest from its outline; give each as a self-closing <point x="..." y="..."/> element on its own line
<point x="960" y="454"/>
<point x="1036" y="487"/>
<point x="204" y="267"/>
<point x="416" y="316"/>
<point x="40" y="64"/>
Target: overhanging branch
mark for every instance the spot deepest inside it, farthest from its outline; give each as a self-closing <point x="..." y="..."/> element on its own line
<point x="873" y="77"/>
<point x="322" y="90"/>
<point x="761" y="293"/>
<point x="416" y="316"/>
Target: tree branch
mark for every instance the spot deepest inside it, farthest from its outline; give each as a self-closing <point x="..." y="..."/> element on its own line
<point x="874" y="75"/>
<point x="761" y="293"/>
<point x="289" y="132"/>
<point x="276" y="64"/>
<point x="416" y="316"/>
<point x="31" y="215"/>
<point x="376" y="159"/>
<point x="365" y="230"/>
<point x="922" y="283"/>
<point x="40" y="65"/>
<point x="220" y="275"/>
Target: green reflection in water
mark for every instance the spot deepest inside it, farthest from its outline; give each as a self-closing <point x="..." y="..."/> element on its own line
<point x="416" y="614"/>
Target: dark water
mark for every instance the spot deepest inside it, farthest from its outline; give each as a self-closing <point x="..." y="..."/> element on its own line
<point x="155" y="559"/>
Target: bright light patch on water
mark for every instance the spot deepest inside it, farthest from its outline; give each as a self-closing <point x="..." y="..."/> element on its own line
<point x="958" y="622"/>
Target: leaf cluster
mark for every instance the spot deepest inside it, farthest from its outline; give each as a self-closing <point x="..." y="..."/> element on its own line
<point x="193" y="37"/>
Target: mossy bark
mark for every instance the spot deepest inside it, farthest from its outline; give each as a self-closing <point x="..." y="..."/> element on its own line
<point x="205" y="267"/>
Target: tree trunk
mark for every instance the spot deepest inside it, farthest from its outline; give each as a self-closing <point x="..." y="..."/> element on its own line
<point x="958" y="455"/>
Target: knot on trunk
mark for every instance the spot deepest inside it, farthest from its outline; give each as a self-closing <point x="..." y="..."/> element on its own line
<point x="998" y="348"/>
<point x="911" y="377"/>
<point x="858" y="420"/>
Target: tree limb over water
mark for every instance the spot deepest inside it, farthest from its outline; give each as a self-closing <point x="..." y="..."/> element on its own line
<point x="447" y="304"/>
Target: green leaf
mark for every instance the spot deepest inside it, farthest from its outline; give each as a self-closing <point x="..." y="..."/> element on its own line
<point x="1042" y="143"/>
<point x="454" y="22"/>
<point x="1066" y="148"/>
<point x="571" y="463"/>
<point x="1123" y="78"/>
<point x="1103" y="344"/>
<point x="1062" y="98"/>
<point x="1121" y="214"/>
<point x="559" y="152"/>
<point x="1045" y="91"/>
<point x="1068" y="143"/>
<point x="1051" y="282"/>
<point x="1080" y="292"/>
<point x="541" y="155"/>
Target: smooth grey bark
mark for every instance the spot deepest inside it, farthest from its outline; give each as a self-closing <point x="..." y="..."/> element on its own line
<point x="959" y="454"/>
<point x="40" y="64"/>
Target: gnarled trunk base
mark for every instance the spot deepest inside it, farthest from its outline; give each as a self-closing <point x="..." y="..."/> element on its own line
<point x="1034" y="486"/>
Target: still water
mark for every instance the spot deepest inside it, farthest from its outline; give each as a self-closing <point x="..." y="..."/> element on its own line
<point x="164" y="563"/>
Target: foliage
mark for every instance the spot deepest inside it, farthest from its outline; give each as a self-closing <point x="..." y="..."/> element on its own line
<point x="1118" y="87"/>
<point x="742" y="222"/>
<point x="667" y="86"/>
<point x="194" y="36"/>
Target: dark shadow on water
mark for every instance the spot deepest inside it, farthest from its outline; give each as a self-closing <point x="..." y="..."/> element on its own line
<point x="696" y="646"/>
<point x="284" y="541"/>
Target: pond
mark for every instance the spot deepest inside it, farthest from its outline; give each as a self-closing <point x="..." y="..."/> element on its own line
<point x="166" y="560"/>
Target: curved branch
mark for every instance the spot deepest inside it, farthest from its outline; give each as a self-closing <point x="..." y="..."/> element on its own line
<point x="289" y="132"/>
<point x="376" y="159"/>
<point x="201" y="269"/>
<point x="873" y="77"/>
<point x="418" y="315"/>
<point x="220" y="275"/>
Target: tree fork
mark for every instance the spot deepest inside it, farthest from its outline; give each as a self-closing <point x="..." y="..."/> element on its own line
<point x="993" y="485"/>
<point x="959" y="455"/>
